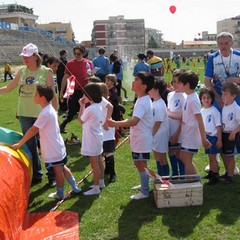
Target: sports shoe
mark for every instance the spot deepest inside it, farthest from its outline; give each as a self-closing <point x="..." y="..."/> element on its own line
<point x="224" y="176"/>
<point x="139" y="196"/>
<point x="74" y="140"/>
<point x="54" y="195"/>
<point x="93" y="191"/>
<point x="52" y="183"/>
<point x="228" y="180"/>
<point x="100" y="186"/>
<point x="138" y="187"/>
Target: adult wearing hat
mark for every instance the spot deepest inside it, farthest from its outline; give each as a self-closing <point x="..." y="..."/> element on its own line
<point x="141" y="66"/>
<point x="26" y="79"/>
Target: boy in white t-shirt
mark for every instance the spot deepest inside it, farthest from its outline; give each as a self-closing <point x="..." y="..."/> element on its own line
<point x="192" y="128"/>
<point x="231" y="128"/>
<point x="140" y="129"/>
<point x="175" y="100"/>
<point x="52" y="145"/>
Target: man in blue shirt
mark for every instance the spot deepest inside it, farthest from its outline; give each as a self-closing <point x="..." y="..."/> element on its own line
<point x="141" y="66"/>
<point x="101" y="62"/>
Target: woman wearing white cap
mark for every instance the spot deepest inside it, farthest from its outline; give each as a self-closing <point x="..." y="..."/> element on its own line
<point x="28" y="76"/>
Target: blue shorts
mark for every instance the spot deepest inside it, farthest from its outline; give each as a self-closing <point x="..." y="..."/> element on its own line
<point x="59" y="163"/>
<point x="190" y="150"/>
<point x="140" y="156"/>
<point x="230" y="147"/>
<point x="213" y="149"/>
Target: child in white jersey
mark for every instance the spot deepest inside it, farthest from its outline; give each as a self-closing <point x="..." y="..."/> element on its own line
<point x="92" y="135"/>
<point x="192" y="128"/>
<point x="52" y="144"/>
<point x="175" y="101"/>
<point x="108" y="134"/>
<point x="213" y="128"/>
<point x="231" y="128"/>
<point x="160" y="129"/>
<point x="140" y="129"/>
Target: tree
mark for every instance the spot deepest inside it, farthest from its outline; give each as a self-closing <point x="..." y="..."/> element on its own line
<point x="152" y="43"/>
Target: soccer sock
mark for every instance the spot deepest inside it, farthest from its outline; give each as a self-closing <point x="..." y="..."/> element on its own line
<point x="60" y="192"/>
<point x="94" y="191"/>
<point x="101" y="183"/>
<point x="159" y="168"/>
<point x="174" y="165"/>
<point x="73" y="184"/>
<point x="165" y="170"/>
<point x="181" y="167"/>
<point x="144" y="178"/>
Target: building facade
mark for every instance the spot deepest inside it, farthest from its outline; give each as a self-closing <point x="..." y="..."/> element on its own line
<point x="156" y="34"/>
<point x="125" y="35"/>
<point x="17" y="14"/>
<point x="57" y="28"/>
<point x="231" y="25"/>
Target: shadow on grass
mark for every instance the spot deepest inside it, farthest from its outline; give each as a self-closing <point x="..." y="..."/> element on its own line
<point x="181" y="221"/>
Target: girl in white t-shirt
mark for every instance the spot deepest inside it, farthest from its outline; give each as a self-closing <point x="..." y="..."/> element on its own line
<point x="92" y="135"/>
<point x="160" y="128"/>
<point x="140" y="129"/>
<point x="213" y="128"/>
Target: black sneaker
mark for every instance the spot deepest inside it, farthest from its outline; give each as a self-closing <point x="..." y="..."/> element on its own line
<point x="213" y="180"/>
<point x="52" y="183"/>
<point x="209" y="176"/>
<point x="224" y="176"/>
<point x="228" y="180"/>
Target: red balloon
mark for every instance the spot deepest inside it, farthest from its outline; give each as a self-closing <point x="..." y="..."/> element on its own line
<point x="199" y="34"/>
<point x="172" y="9"/>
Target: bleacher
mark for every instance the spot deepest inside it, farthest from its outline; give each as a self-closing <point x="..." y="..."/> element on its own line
<point x="12" y="42"/>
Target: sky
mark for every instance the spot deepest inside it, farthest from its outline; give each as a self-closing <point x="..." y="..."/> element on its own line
<point x="190" y="19"/>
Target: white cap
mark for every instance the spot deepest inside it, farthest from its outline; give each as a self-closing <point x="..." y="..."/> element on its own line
<point x="29" y="50"/>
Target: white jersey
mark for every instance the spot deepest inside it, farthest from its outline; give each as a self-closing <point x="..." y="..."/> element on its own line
<point x="161" y="138"/>
<point x="211" y="120"/>
<point x="230" y="117"/>
<point x="52" y="144"/>
<point x="141" y="134"/>
<point x="92" y="136"/>
<point x="175" y="104"/>
<point x="110" y="133"/>
<point x="191" y="137"/>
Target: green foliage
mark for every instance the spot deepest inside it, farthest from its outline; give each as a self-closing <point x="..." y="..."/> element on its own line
<point x="112" y="215"/>
<point x="152" y="43"/>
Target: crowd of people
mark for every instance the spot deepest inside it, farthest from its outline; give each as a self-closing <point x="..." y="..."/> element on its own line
<point x="171" y="124"/>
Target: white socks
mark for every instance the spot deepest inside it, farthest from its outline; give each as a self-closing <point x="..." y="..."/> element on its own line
<point x="94" y="191"/>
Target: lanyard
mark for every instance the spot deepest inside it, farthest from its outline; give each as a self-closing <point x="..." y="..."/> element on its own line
<point x="229" y="64"/>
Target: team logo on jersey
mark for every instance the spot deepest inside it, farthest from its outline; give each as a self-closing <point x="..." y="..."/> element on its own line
<point x="209" y="118"/>
<point x="230" y="116"/>
<point x="177" y="101"/>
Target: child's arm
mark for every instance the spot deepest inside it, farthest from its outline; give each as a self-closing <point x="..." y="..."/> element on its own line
<point x="175" y="136"/>
<point x="124" y="123"/>
<point x="109" y="114"/>
<point x="156" y="126"/>
<point x="174" y="115"/>
<point x="199" y="119"/>
<point x="233" y="133"/>
<point x="29" y="134"/>
<point x="219" y="135"/>
<point x="81" y="110"/>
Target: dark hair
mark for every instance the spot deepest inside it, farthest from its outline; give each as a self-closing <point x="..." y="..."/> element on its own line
<point x="231" y="87"/>
<point x="45" y="91"/>
<point x="189" y="77"/>
<point x="207" y="91"/>
<point x="94" y="79"/>
<point x="62" y="52"/>
<point x="147" y="79"/>
<point x="81" y="48"/>
<point x="101" y="50"/>
<point x="93" y="92"/>
<point x="150" y="52"/>
<point x="163" y="90"/>
<point x="113" y="57"/>
<point x="52" y="60"/>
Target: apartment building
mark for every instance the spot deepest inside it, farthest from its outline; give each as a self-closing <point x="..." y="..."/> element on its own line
<point x="125" y="35"/>
<point x="231" y="25"/>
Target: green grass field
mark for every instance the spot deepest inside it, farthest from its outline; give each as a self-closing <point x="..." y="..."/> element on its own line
<point x="112" y="215"/>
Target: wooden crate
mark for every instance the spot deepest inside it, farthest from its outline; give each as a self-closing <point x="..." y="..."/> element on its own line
<point x="178" y="195"/>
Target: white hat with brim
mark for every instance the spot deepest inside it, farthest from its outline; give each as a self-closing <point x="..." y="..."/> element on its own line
<point x="29" y="50"/>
